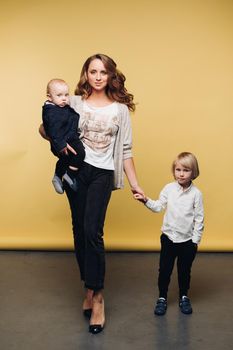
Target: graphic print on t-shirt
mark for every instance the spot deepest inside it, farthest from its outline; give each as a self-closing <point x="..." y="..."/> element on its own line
<point x="99" y="128"/>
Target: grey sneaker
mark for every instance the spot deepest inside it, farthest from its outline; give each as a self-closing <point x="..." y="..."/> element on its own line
<point x="57" y="183"/>
<point x="185" y="305"/>
<point x="71" y="182"/>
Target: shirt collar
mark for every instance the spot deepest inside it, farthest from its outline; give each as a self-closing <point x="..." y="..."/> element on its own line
<point x="180" y="188"/>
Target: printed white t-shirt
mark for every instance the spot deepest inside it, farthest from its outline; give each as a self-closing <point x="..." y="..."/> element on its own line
<point x="99" y="126"/>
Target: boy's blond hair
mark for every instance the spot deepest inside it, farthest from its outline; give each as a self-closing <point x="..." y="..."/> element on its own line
<point x="188" y="160"/>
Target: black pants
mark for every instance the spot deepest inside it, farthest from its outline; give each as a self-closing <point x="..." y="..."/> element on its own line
<point x="71" y="159"/>
<point x="185" y="253"/>
<point x="88" y="208"/>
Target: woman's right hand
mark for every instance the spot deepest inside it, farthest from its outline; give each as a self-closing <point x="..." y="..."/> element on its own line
<point x="71" y="149"/>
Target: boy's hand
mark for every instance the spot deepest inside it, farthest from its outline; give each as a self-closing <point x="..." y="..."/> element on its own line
<point x="137" y="190"/>
<point x="140" y="197"/>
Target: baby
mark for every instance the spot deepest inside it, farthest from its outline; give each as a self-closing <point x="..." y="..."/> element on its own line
<point x="61" y="126"/>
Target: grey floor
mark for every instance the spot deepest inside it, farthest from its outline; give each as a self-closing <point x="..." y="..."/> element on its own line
<point x="41" y="297"/>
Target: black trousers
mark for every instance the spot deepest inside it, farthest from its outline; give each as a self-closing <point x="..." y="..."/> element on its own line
<point x="185" y="253"/>
<point x="72" y="159"/>
<point x="88" y="208"/>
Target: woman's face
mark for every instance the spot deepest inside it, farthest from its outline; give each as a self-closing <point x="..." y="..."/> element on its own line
<point x="97" y="75"/>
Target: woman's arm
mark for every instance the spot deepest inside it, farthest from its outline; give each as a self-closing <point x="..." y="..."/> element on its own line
<point x="43" y="133"/>
<point x="130" y="172"/>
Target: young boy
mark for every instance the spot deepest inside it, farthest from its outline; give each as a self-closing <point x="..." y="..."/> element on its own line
<point x="61" y="126"/>
<point x="181" y="231"/>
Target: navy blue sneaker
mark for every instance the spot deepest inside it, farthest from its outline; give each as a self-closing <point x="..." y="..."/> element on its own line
<point x="185" y="305"/>
<point x="160" y="307"/>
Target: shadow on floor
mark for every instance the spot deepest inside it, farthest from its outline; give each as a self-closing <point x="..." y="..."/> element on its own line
<point x="41" y="298"/>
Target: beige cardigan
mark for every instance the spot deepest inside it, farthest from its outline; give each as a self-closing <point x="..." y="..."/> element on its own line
<point x="123" y="143"/>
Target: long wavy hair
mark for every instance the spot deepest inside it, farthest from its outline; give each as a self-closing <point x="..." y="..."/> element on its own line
<point x="115" y="89"/>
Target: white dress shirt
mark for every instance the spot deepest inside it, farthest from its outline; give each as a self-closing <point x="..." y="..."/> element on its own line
<point x="184" y="216"/>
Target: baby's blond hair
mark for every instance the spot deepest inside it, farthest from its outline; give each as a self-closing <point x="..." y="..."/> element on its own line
<point x="54" y="82"/>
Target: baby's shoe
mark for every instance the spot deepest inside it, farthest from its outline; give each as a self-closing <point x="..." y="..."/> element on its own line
<point x="57" y="183"/>
<point x="71" y="182"/>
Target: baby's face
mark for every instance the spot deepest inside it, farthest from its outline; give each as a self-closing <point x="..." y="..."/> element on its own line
<point x="59" y="94"/>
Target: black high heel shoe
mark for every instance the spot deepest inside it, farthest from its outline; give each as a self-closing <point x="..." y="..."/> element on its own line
<point x="96" y="328"/>
<point x="87" y="313"/>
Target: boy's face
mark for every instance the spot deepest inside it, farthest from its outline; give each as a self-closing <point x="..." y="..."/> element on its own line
<point x="59" y="94"/>
<point x="183" y="175"/>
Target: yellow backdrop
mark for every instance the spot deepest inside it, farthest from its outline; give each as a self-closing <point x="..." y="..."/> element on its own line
<point x="178" y="60"/>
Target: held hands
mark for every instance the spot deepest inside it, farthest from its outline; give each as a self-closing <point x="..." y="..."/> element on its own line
<point x="139" y="194"/>
<point x="140" y="197"/>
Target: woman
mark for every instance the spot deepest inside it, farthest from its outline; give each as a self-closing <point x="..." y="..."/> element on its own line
<point x="103" y="103"/>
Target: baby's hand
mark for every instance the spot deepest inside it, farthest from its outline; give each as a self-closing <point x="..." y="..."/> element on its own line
<point x="64" y="151"/>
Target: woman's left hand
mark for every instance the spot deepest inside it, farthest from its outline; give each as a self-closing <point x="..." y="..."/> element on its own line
<point x="138" y="189"/>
